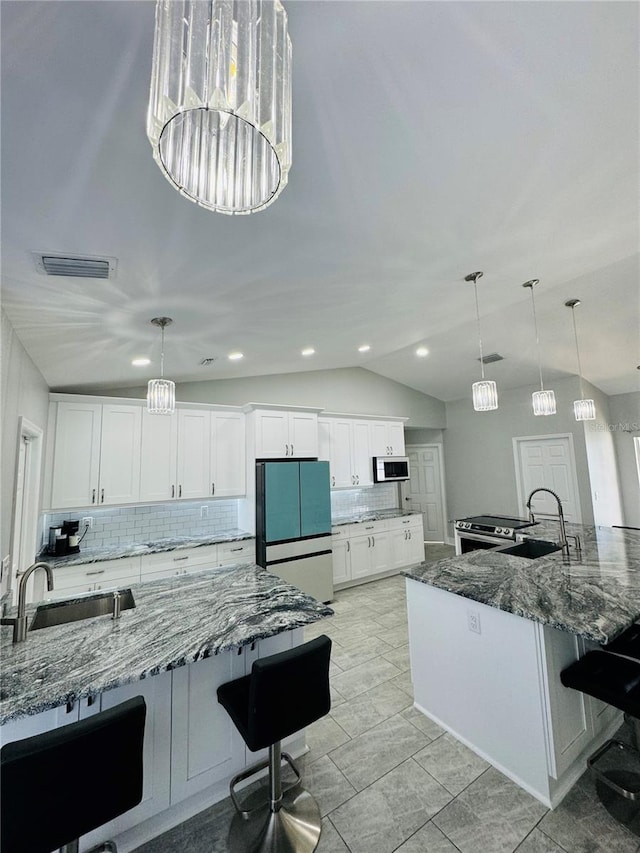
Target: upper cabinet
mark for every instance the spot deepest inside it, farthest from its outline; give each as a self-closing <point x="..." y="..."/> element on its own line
<point x="345" y="443"/>
<point x="96" y="455"/>
<point x="387" y="438"/>
<point x="280" y="434"/>
<point x="107" y="453"/>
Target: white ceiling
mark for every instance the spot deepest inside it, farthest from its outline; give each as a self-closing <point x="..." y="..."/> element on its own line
<point x="430" y="140"/>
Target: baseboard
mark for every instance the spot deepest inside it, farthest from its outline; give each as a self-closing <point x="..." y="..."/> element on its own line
<point x="359" y="581"/>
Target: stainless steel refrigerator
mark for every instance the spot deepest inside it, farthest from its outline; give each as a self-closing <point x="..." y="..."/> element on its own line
<point x="293" y="524"/>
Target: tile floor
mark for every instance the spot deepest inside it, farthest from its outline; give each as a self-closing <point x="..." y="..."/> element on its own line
<point x="388" y="779"/>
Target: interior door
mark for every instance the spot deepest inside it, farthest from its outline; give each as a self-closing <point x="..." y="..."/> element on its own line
<point x="548" y="463"/>
<point x="423" y="491"/>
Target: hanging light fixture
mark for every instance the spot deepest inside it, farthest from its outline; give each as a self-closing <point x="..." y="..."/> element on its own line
<point x="584" y="410"/>
<point x="219" y="117"/>
<point x="161" y="393"/>
<point x="485" y="392"/>
<point x="544" y="402"/>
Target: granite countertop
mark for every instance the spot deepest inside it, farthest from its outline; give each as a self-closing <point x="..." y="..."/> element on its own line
<point x="175" y="622"/>
<point x="115" y="552"/>
<point x="595" y="595"/>
<point x="372" y="515"/>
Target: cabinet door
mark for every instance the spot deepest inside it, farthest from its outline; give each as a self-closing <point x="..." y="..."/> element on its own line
<point x="237" y="552"/>
<point x="379" y="439"/>
<point x="360" y="556"/>
<point x="341" y="465"/>
<point x="156" y="754"/>
<point x="113" y="574"/>
<point x="120" y="454"/>
<point x="227" y="454"/>
<point x="303" y="434"/>
<point x="76" y="459"/>
<point x="395" y="435"/>
<point x="341" y="560"/>
<point x="205" y="745"/>
<point x="158" y="457"/>
<point x="361" y="454"/>
<point x="315" y="500"/>
<point x="415" y="544"/>
<point x="272" y="434"/>
<point x="399" y="547"/>
<point x="324" y="440"/>
<point x="380" y="552"/>
<point x="193" y="454"/>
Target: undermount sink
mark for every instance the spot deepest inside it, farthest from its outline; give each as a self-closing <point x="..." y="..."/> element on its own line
<point x="531" y="549"/>
<point x="61" y="612"/>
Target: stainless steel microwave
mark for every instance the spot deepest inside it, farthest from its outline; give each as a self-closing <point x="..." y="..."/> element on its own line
<point x="388" y="468"/>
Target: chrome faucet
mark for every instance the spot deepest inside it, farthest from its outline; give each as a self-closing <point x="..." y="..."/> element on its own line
<point x="19" y="621"/>
<point x="563" y="533"/>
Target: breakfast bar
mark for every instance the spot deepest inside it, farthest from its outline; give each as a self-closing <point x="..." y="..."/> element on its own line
<point x="489" y="634"/>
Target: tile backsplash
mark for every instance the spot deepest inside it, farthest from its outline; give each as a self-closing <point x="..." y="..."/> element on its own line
<point x="135" y="524"/>
<point x="349" y="501"/>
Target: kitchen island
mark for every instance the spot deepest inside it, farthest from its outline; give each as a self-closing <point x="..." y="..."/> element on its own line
<point x="489" y="634"/>
<point x="184" y="637"/>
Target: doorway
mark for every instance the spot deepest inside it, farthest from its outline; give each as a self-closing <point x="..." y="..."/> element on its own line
<point x="26" y="497"/>
<point x="424" y="492"/>
<point x="547" y="461"/>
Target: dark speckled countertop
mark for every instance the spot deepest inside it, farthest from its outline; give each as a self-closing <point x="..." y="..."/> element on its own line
<point x="595" y="595"/>
<point x="115" y="552"/>
<point x="373" y="515"/>
<point x="175" y="622"/>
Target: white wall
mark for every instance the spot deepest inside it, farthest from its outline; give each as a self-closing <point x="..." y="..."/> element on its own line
<point x="24" y="393"/>
<point x="602" y="461"/>
<point x="351" y="390"/>
<point x="479" y="467"/>
<point x="624" y="413"/>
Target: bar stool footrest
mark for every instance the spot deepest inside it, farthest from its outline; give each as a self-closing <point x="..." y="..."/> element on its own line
<point x="605" y="779"/>
<point x="252" y="771"/>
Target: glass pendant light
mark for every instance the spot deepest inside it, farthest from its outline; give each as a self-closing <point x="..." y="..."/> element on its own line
<point x="219" y="117"/>
<point x="584" y="410"/>
<point x="485" y="392"/>
<point x="544" y="402"/>
<point x="161" y="393"/>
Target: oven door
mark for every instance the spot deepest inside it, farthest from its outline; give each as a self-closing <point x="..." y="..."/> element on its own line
<point x="467" y="541"/>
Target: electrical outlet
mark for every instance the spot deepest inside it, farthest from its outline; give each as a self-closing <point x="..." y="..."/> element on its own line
<point x="204" y="511"/>
<point x="473" y="621"/>
<point x="87" y="521"/>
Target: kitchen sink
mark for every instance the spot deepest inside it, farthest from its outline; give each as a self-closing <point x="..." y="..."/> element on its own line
<point x="531" y="549"/>
<point x="61" y="612"/>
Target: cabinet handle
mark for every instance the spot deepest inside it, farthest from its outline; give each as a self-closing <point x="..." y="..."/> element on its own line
<point x="102" y="496"/>
<point x="213" y="488"/>
<point x="180" y="559"/>
<point x="408" y="521"/>
<point x="100" y="572"/>
<point x="373" y="539"/>
<point x="369" y="527"/>
<point x="358" y="480"/>
<point x="409" y="532"/>
<point x="93" y="496"/>
<point x="368" y="542"/>
<point x="333" y="481"/>
<point x="70" y="707"/>
<point x="286" y="450"/>
<point x="348" y="545"/>
<point x="292" y="449"/>
<point x="90" y="700"/>
<point x="173" y="491"/>
<point x="235" y="549"/>
<point x="180" y="490"/>
<point x="405" y="536"/>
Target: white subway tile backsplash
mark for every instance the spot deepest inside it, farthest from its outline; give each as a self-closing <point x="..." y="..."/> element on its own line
<point x="349" y="501"/>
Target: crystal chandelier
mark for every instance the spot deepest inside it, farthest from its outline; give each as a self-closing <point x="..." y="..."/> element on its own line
<point x="584" y="410"/>
<point x="161" y="393"/>
<point x="219" y="117"/>
<point x="544" y="402"/>
<point x="485" y="392"/>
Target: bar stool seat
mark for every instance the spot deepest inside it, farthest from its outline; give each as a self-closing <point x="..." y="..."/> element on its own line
<point x="64" y="783"/>
<point x="613" y="679"/>
<point x="284" y="693"/>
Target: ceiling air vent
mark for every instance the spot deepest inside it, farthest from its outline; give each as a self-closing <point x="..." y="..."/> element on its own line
<point x="493" y="356"/>
<point x="207" y="361"/>
<point x="75" y="266"/>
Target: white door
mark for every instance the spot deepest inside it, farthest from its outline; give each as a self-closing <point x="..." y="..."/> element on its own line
<point x="423" y="492"/>
<point x="120" y="454"/>
<point x="227" y="454"/>
<point x="547" y="462"/>
<point x="158" y="457"/>
<point x="76" y="458"/>
<point x="194" y="441"/>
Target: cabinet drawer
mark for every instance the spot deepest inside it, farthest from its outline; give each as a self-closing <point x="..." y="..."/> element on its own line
<point x="341" y="532"/>
<point x="402" y="523"/>
<point x="234" y="552"/>
<point x="172" y="561"/>
<point x="91" y="573"/>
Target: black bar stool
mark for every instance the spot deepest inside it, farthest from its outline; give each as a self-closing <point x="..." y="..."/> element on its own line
<point x="628" y="645"/>
<point x="284" y="693"/>
<point x="613" y="679"/>
<point x="64" y="783"/>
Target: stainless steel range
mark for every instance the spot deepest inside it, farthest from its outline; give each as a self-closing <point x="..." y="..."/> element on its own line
<point x="487" y="531"/>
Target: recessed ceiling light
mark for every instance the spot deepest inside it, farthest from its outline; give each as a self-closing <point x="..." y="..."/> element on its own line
<point x="308" y="351"/>
<point x="364" y="348"/>
<point x="422" y="351"/>
<point x="235" y="356"/>
<point x="141" y="362"/>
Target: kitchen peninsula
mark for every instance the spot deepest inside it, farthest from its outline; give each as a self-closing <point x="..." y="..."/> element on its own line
<point x="489" y="634"/>
<point x="184" y="637"/>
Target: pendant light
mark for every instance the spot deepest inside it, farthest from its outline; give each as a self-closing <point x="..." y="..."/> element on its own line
<point x="544" y="402"/>
<point x="485" y="392"/>
<point x="584" y="410"/>
<point x="219" y="117"/>
<point x="161" y="393"/>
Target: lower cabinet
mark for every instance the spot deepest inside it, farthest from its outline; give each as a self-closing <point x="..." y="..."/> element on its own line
<point x="362" y="551"/>
<point x="91" y="577"/>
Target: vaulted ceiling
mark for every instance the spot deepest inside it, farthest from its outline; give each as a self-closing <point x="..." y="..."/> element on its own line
<point x="430" y="140"/>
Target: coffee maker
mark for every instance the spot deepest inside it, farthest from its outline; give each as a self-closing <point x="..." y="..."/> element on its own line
<point x="64" y="540"/>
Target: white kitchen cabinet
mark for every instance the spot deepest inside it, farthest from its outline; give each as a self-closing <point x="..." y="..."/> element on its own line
<point x="362" y="551"/>
<point x="243" y="551"/>
<point x="345" y="443"/>
<point x="76" y="455"/>
<point x="158" y="457"/>
<point x="407" y="541"/>
<point x="179" y="562"/>
<point x="280" y="434"/>
<point x="194" y="453"/>
<point x="120" y="454"/>
<point x="227" y="454"/>
<point x="90" y="577"/>
<point x="387" y="438"/>
<point x="361" y="456"/>
<point x="370" y="554"/>
<point x="341" y="549"/>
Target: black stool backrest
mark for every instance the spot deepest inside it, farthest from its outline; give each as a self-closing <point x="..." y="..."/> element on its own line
<point x="62" y="784"/>
<point x="287" y="692"/>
